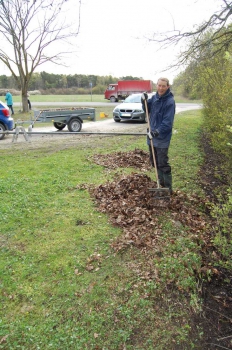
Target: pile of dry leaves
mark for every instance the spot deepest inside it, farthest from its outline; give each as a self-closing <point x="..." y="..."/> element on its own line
<point x="133" y="207"/>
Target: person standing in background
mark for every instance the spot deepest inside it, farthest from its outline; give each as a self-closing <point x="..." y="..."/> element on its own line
<point x="9" y="101"/>
<point x="28" y="101"/>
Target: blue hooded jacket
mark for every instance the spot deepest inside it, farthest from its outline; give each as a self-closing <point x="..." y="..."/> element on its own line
<point x="162" y="111"/>
<point x="9" y="99"/>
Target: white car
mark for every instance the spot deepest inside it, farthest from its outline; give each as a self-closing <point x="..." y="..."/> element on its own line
<point x="130" y="109"/>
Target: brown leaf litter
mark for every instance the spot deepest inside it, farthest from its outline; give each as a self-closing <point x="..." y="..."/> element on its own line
<point x="131" y="206"/>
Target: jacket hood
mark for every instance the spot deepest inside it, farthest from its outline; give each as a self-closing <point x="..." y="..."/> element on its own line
<point x="167" y="94"/>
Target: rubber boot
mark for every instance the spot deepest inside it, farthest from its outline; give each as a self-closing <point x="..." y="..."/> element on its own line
<point x="168" y="181"/>
<point x="161" y="177"/>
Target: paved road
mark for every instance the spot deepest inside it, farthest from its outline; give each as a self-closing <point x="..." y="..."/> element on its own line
<point x="109" y="125"/>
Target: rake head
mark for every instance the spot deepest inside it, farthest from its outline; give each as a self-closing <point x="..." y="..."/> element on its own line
<point x="160" y="193"/>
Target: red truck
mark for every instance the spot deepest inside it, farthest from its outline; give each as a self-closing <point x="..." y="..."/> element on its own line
<point x="124" y="88"/>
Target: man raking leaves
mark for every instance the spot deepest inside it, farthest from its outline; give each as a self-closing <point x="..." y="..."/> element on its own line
<point x="161" y="110"/>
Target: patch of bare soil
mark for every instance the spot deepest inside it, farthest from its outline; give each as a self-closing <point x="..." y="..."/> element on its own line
<point x="131" y="206"/>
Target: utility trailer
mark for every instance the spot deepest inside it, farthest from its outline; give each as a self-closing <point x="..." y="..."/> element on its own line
<point x="60" y="117"/>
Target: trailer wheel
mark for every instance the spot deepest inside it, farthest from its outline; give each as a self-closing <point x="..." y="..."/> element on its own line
<point x="75" y="125"/>
<point x="2" y="128"/>
<point x="59" y="126"/>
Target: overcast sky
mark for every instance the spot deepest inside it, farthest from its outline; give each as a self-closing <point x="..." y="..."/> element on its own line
<point x="112" y="36"/>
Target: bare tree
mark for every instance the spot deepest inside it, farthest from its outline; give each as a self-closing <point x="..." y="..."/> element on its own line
<point x="215" y="33"/>
<point x="29" y="30"/>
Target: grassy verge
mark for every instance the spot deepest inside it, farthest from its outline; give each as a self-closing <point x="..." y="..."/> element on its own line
<point x="63" y="98"/>
<point x="62" y="286"/>
<point x="185" y="156"/>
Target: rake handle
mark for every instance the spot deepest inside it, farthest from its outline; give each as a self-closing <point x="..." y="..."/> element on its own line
<point x="152" y="148"/>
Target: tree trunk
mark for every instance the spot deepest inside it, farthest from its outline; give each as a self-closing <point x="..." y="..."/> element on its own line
<point x="25" y="102"/>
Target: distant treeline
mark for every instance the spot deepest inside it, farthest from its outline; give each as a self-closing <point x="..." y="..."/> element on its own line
<point x="48" y="83"/>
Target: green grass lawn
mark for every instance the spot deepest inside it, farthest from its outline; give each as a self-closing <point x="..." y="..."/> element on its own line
<point x="63" y="98"/>
<point x="78" y="98"/>
<point x="62" y="285"/>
